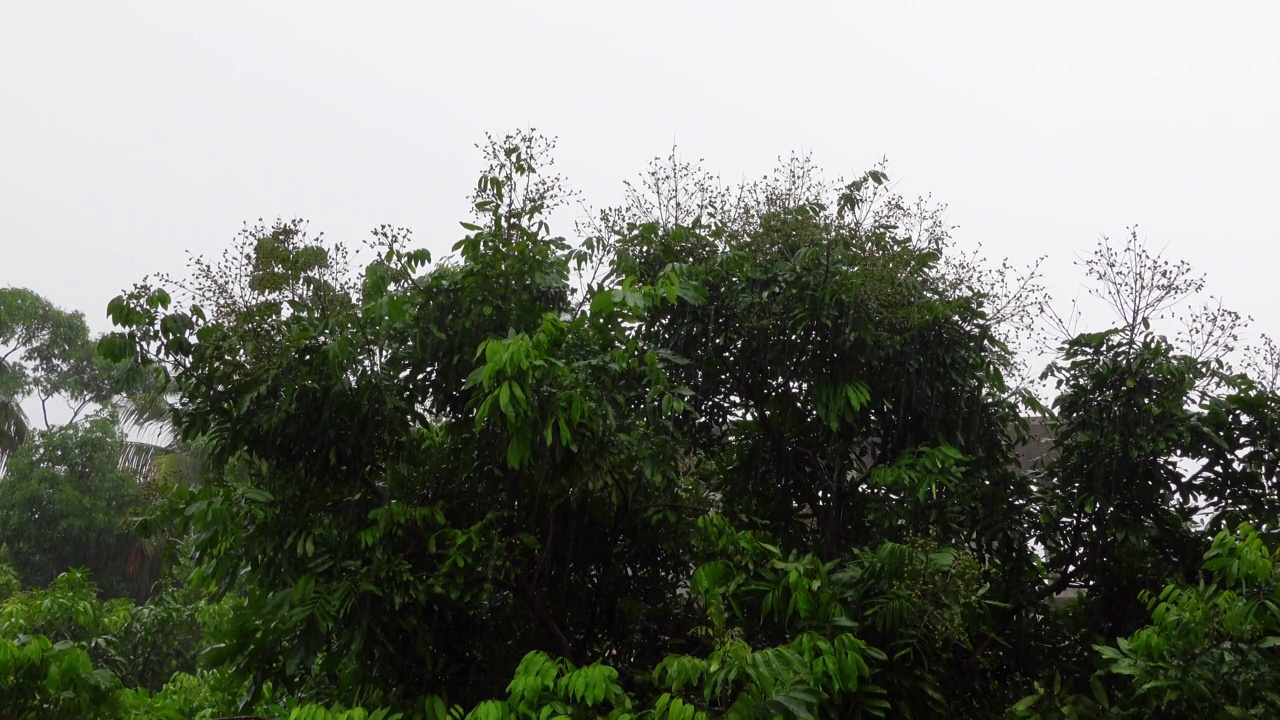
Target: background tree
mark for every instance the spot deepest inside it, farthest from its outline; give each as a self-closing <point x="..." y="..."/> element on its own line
<point x="1157" y="445"/>
<point x="71" y="485"/>
<point x="45" y="353"/>
<point x="66" y="504"/>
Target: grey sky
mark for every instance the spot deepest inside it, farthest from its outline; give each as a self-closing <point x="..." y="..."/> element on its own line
<point x="131" y="132"/>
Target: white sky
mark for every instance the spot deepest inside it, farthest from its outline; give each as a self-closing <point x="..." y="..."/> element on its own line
<point x="131" y="132"/>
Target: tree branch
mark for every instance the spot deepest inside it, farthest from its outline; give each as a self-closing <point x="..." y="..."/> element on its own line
<point x="76" y="413"/>
<point x="526" y="593"/>
<point x="672" y="506"/>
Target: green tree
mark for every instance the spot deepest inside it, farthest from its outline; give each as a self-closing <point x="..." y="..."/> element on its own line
<point x="1157" y="445"/>
<point x="45" y="352"/>
<point x="66" y="503"/>
<point x="429" y="505"/>
<point x="507" y="451"/>
<point x="738" y="452"/>
<point x="46" y="356"/>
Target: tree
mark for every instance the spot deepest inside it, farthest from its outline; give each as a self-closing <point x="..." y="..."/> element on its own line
<point x="1158" y="444"/>
<point x="450" y="453"/>
<point x="739" y="451"/>
<point x="66" y="504"/>
<point x="430" y="507"/>
<point x="45" y="352"/>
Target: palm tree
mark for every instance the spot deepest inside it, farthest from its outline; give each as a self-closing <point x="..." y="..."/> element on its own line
<point x="153" y="452"/>
<point x="13" y="420"/>
<point x="159" y="459"/>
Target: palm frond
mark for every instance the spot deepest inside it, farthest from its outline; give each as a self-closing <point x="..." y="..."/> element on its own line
<point x="13" y="427"/>
<point x="143" y="412"/>
<point x="137" y="457"/>
<point x="178" y="467"/>
<point x="13" y="420"/>
<point x="160" y="464"/>
<point x="145" y="403"/>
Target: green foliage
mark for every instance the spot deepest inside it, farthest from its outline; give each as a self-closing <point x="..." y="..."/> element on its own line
<point x="44" y="352"/>
<point x="66" y="504"/>
<point x="10" y="583"/>
<point x="143" y="645"/>
<point x="42" y="679"/>
<point x="1210" y="646"/>
<point x="546" y="687"/>
<point x="736" y="453"/>
<point x="1209" y="649"/>
<point x="72" y="485"/>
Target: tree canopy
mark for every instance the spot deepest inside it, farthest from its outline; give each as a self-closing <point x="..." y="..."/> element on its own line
<point x="730" y="452"/>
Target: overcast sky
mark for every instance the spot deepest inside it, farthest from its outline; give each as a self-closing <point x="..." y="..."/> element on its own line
<point x="131" y="132"/>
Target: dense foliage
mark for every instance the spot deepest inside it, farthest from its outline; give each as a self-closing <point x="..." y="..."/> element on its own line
<point x="769" y="451"/>
<point x="64" y="503"/>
